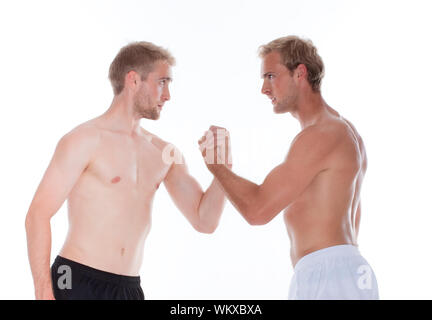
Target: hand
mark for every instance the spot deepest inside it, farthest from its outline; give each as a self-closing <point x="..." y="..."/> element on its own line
<point x="215" y="147"/>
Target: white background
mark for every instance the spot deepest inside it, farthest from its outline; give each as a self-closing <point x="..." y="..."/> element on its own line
<point x="54" y="61"/>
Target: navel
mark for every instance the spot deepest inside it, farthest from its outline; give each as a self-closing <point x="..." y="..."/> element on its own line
<point x="115" y="179"/>
<point x="122" y="251"/>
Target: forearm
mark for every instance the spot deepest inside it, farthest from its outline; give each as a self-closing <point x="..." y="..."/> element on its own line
<point x="241" y="192"/>
<point x="39" y="251"/>
<point x="211" y="206"/>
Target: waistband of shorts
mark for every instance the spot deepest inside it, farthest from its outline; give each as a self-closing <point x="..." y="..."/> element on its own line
<point x="345" y="250"/>
<point x="98" y="274"/>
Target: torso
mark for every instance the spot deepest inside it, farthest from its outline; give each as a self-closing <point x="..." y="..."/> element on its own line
<point x="325" y="213"/>
<point x="109" y="207"/>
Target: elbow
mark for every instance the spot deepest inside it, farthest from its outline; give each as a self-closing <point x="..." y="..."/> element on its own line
<point x="204" y="226"/>
<point x="28" y="221"/>
<point x="256" y="221"/>
<point x="255" y="217"/>
<point x="29" y="224"/>
<point x="32" y="218"/>
<point x="207" y="229"/>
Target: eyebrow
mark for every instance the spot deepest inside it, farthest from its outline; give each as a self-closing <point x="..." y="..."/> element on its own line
<point x="266" y="74"/>
<point x="166" y="78"/>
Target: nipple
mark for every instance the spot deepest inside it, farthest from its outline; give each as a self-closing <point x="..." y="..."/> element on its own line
<point x="115" y="179"/>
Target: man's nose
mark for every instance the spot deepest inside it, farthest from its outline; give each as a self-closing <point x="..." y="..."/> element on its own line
<point x="265" y="89"/>
<point x="166" y="95"/>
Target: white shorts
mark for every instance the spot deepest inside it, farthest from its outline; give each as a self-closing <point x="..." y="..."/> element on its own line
<point x="338" y="272"/>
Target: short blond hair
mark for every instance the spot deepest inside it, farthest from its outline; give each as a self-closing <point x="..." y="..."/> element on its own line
<point x="139" y="57"/>
<point x="295" y="51"/>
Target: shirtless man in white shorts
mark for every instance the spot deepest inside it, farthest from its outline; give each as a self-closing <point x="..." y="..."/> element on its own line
<point x="109" y="169"/>
<point x="317" y="185"/>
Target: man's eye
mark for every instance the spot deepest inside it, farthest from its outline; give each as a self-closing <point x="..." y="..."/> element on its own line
<point x="270" y="76"/>
<point x="162" y="82"/>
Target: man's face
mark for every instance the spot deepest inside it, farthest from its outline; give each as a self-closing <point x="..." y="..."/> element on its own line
<point x="279" y="84"/>
<point x="153" y="92"/>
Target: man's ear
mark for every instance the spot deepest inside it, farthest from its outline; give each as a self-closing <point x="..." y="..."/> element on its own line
<point x="131" y="79"/>
<point x="300" y="71"/>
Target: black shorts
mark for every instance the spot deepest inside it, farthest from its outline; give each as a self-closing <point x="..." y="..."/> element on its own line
<point x="74" y="281"/>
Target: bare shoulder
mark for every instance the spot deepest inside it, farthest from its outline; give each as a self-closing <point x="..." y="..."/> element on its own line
<point x="339" y="129"/>
<point x="171" y="155"/>
<point x="154" y="139"/>
<point x="157" y="141"/>
<point x="317" y="137"/>
<point x="86" y="134"/>
<point x="330" y="143"/>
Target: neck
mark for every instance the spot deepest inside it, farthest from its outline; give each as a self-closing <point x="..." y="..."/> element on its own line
<point x="310" y="108"/>
<point x="121" y="115"/>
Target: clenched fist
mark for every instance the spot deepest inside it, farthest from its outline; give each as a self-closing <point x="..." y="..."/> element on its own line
<point x="215" y="147"/>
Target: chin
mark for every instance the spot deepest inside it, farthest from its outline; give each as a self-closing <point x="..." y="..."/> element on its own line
<point x="151" y="115"/>
<point x="282" y="108"/>
<point x="278" y="110"/>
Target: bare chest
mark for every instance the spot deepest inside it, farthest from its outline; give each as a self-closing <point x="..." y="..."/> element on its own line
<point x="124" y="163"/>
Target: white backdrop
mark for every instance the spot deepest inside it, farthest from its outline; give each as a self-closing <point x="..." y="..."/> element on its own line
<point x="53" y="75"/>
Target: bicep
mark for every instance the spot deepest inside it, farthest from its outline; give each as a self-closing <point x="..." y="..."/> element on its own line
<point x="184" y="190"/>
<point x="280" y="188"/>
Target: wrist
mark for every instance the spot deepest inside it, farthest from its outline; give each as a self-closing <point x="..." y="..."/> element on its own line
<point x="42" y="282"/>
<point x="215" y="168"/>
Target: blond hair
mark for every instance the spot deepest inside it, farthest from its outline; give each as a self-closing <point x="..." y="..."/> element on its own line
<point x="295" y="51"/>
<point x="139" y="57"/>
